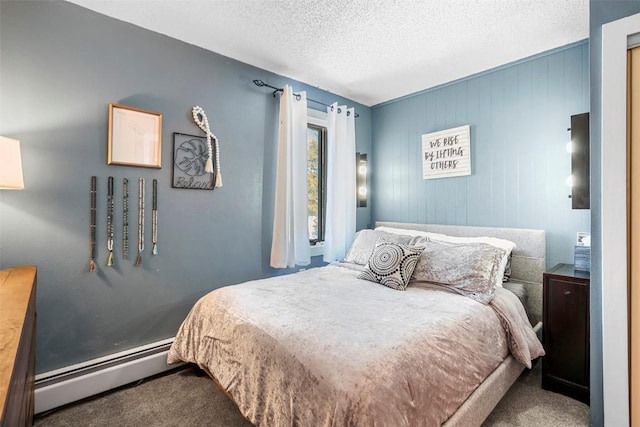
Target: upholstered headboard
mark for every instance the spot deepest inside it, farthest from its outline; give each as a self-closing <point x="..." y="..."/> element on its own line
<point x="528" y="259"/>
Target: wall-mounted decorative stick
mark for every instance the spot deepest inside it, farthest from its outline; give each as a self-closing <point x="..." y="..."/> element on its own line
<point x="140" y="221"/>
<point x="110" y="221"/>
<point x="92" y="227"/>
<point x="154" y="218"/>
<point x="125" y="218"/>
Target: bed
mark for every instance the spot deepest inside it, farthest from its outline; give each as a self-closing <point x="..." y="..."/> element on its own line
<point x="323" y="347"/>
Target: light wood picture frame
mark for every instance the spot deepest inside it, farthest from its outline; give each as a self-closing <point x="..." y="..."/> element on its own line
<point x="135" y="137"/>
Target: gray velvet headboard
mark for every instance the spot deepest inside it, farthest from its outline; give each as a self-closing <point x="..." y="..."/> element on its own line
<point x="528" y="260"/>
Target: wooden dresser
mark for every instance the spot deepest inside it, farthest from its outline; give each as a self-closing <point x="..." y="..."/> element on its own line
<point x="565" y="332"/>
<point x="17" y="345"/>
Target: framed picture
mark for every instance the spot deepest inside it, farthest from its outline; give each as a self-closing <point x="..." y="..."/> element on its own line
<point x="190" y="155"/>
<point x="135" y="137"/>
<point x="583" y="239"/>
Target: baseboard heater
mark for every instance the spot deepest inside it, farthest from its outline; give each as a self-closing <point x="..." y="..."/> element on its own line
<point x="72" y="383"/>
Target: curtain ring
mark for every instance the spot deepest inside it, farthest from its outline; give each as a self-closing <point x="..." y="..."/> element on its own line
<point x="298" y="96"/>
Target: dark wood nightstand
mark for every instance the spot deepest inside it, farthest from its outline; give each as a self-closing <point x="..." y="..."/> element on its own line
<point x="565" y="332"/>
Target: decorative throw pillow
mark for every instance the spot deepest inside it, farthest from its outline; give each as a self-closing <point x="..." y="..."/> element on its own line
<point x="506" y="245"/>
<point x="470" y="269"/>
<point x="365" y="241"/>
<point x="391" y="264"/>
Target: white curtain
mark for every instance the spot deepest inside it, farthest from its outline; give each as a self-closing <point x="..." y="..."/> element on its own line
<point x="340" y="225"/>
<point x="290" y="245"/>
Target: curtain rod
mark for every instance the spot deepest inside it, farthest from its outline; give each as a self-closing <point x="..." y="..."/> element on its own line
<point x="260" y="83"/>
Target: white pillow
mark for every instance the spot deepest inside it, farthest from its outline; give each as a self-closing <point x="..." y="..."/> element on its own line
<point x="507" y="245"/>
<point x="403" y="231"/>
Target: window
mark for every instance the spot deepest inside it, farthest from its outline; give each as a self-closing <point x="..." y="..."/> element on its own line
<point x="316" y="179"/>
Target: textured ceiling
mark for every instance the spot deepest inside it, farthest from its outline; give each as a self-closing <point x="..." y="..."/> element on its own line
<point x="370" y="51"/>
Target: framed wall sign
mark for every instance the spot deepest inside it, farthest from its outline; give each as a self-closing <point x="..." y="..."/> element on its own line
<point x="190" y="155"/>
<point x="135" y="137"/>
<point x="446" y="153"/>
<point x="583" y="238"/>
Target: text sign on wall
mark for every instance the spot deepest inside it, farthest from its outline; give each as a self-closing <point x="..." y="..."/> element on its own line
<point x="446" y="153"/>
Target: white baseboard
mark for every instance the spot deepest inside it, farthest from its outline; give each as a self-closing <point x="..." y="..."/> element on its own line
<point x="73" y="383"/>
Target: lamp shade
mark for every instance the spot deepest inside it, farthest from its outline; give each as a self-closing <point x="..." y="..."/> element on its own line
<point x="10" y="164"/>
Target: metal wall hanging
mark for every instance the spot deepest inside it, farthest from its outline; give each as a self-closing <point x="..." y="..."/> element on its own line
<point x="125" y="218"/>
<point x="92" y="227"/>
<point x="140" y="221"/>
<point x="154" y="218"/>
<point x="110" y="208"/>
<point x="110" y="221"/>
<point x="189" y="163"/>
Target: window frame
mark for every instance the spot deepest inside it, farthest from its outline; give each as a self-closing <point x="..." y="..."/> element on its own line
<point x="317" y="120"/>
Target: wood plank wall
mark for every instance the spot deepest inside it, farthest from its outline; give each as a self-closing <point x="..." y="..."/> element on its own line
<point x="519" y="115"/>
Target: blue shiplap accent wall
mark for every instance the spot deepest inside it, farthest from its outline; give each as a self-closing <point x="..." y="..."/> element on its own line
<point x="519" y="115"/>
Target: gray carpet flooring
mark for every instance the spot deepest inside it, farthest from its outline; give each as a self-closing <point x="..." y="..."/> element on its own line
<point x="182" y="398"/>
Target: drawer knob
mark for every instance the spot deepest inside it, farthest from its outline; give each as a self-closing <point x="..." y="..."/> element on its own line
<point x="567" y="292"/>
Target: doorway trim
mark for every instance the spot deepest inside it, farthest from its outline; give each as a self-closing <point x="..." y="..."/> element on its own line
<point x="615" y="361"/>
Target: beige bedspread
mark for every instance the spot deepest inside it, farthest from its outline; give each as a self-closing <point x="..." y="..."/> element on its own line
<point x="323" y="348"/>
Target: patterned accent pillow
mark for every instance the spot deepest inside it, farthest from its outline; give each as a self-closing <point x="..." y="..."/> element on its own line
<point x="470" y="269"/>
<point x="391" y="264"/>
<point x="365" y="241"/>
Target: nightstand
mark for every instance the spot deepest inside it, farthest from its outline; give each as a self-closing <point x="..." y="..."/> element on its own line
<point x="565" y="332"/>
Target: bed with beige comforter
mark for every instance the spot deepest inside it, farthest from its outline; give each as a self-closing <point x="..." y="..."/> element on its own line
<point x="324" y="348"/>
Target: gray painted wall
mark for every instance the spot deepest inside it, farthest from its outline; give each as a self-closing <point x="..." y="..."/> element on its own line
<point x="519" y="115"/>
<point x="600" y="12"/>
<point x="60" y="66"/>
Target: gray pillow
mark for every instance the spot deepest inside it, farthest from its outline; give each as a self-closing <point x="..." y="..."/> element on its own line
<point x="391" y="264"/>
<point x="507" y="270"/>
<point x="467" y="268"/>
<point x="365" y="241"/>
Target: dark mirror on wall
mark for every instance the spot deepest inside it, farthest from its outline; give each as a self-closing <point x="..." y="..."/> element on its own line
<point x="580" y="193"/>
